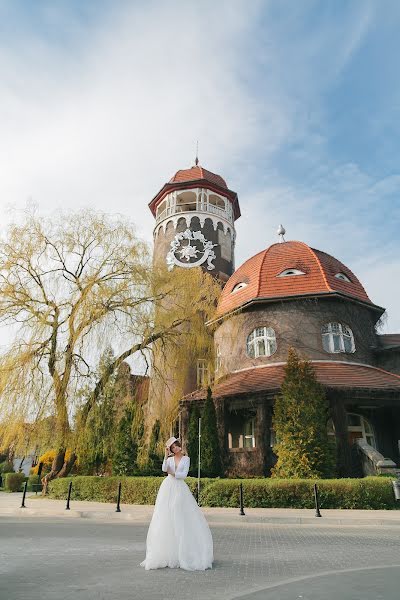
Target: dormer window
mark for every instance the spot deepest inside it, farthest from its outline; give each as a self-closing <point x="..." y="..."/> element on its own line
<point x="343" y="277"/>
<point x="239" y="286"/>
<point x="290" y="272"/>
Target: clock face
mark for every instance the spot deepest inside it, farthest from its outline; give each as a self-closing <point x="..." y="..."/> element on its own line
<point x="191" y="249"/>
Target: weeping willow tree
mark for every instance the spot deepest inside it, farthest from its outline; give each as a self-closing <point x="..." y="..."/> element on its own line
<point x="194" y="294"/>
<point x="68" y="285"/>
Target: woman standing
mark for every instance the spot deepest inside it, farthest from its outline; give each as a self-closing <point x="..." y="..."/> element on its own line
<point x="178" y="535"/>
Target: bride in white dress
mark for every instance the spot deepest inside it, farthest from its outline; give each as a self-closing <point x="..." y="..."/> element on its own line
<point x="178" y="535"/>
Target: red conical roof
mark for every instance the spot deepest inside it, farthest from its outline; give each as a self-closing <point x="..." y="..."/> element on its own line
<point x="195" y="173"/>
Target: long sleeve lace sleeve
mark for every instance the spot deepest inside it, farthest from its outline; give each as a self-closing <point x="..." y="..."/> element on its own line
<point x="164" y="465"/>
<point x="183" y="468"/>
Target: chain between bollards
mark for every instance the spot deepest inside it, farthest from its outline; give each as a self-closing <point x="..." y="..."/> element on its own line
<point x="69" y="495"/>
<point x="241" y="512"/>
<point x="24" y="494"/>
<point x="316" y="498"/>
<point x="118" y="509"/>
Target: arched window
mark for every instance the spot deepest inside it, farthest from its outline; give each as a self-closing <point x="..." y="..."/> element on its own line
<point x="261" y="342"/>
<point x="337" y="337"/>
<point x="359" y="427"/>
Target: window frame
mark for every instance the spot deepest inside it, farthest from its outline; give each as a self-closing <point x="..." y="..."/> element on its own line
<point x="288" y="273"/>
<point x="339" y="336"/>
<point x="202" y="373"/>
<point x="258" y="338"/>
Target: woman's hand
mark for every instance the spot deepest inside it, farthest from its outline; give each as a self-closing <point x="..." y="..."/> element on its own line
<point x="166" y="452"/>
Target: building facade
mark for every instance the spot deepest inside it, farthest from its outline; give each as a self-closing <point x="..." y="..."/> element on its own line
<point x="288" y="295"/>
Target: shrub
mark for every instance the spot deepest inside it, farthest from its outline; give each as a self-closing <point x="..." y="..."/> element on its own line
<point x="367" y="493"/>
<point x="6" y="467"/>
<point x="14" y="481"/>
<point x="33" y="480"/>
<point x="299" y="420"/>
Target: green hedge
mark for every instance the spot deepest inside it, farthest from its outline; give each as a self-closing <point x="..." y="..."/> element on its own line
<point x="14" y="481"/>
<point x="367" y="493"/>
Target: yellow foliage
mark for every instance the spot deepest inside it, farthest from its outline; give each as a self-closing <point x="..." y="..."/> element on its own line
<point x="47" y="460"/>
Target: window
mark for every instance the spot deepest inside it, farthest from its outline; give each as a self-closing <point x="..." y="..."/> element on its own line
<point x="241" y="428"/>
<point x="289" y="272"/>
<point x="203" y="373"/>
<point x="359" y="427"/>
<point x="218" y="357"/>
<point x="337" y="337"/>
<point x="239" y="286"/>
<point x="343" y="277"/>
<point x="261" y="342"/>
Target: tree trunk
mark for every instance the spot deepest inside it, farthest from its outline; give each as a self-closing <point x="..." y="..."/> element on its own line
<point x="67" y="466"/>
<point x="56" y="467"/>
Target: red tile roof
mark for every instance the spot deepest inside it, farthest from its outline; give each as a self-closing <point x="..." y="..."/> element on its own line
<point x="389" y="340"/>
<point x="333" y="374"/>
<point x="194" y="177"/>
<point x="195" y="173"/>
<point x="262" y="270"/>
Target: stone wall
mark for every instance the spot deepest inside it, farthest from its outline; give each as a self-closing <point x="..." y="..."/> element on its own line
<point x="296" y="323"/>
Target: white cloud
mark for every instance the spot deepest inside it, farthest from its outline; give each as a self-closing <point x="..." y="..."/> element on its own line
<point x="106" y="118"/>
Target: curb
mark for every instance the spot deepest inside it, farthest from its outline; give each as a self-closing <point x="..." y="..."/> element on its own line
<point x="217" y="520"/>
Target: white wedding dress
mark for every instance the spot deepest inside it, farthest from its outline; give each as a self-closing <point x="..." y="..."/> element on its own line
<point x="178" y="535"/>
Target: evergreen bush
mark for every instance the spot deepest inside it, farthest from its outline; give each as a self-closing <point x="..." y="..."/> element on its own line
<point x="301" y="412"/>
<point x="210" y="451"/>
<point x="193" y="438"/>
<point x="125" y="450"/>
<point x="14" y="481"/>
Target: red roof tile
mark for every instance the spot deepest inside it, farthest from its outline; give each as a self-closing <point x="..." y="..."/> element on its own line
<point x="262" y="270"/>
<point x="195" y="173"/>
<point x="194" y="177"/>
<point x="389" y="340"/>
<point x="333" y="374"/>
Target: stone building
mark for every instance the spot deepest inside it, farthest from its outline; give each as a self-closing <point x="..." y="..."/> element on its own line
<point x="288" y="295"/>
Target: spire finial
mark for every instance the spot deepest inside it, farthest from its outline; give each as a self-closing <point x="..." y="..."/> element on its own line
<point x="281" y="232"/>
<point x="196" y="162"/>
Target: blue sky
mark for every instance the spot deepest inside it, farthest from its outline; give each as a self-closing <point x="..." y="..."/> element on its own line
<point x="296" y="104"/>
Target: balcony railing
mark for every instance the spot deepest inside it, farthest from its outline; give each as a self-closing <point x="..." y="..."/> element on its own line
<point x="199" y="207"/>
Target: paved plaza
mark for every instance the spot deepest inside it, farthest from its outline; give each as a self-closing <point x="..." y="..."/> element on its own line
<point x="54" y="557"/>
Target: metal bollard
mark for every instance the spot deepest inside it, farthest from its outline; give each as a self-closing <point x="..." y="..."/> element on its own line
<point x="316" y="498"/>
<point x="69" y="495"/>
<point x="241" y="512"/>
<point x="119" y="498"/>
<point x="396" y="488"/>
<point x="23" y="495"/>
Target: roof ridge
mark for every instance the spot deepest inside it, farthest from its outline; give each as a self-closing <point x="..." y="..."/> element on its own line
<point x="313" y="252"/>
<point x="261" y="267"/>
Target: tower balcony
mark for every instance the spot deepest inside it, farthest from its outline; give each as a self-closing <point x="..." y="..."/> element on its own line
<point x="200" y="200"/>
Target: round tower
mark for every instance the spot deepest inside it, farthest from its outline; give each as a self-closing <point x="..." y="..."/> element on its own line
<point x="195" y="216"/>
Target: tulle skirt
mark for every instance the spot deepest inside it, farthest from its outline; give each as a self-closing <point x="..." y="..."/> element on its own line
<point x="178" y="535"/>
